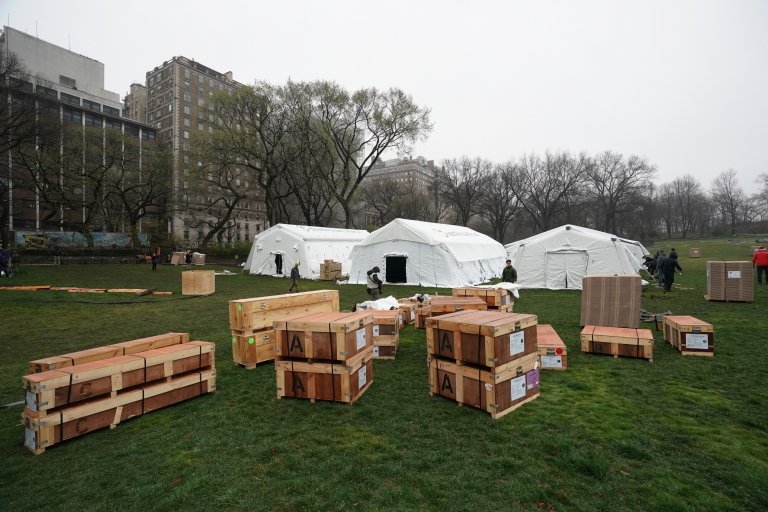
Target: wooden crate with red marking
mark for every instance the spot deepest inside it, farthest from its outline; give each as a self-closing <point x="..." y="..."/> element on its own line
<point x="691" y="336"/>
<point x="324" y="336"/>
<point x="553" y="353"/>
<point x="617" y="341"/>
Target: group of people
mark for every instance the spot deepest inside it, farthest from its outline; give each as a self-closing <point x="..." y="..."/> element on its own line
<point x="662" y="267"/>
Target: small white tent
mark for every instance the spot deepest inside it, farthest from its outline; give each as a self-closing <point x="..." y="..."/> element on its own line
<point x="558" y="259"/>
<point x="309" y="245"/>
<point x="427" y="254"/>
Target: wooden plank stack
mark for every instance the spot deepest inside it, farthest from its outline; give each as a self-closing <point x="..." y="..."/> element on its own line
<point x="617" y="341"/>
<point x="485" y="359"/>
<point x="553" y="353"/>
<point x="497" y="299"/>
<point x="386" y="333"/>
<point x="330" y="270"/>
<point x="730" y="281"/>
<point x="252" y="321"/>
<point x="689" y="335"/>
<point x="324" y="356"/>
<point x="611" y="301"/>
<point x="76" y="393"/>
<point x="198" y="282"/>
<point x="441" y="305"/>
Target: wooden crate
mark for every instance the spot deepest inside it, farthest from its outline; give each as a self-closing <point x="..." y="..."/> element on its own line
<point x="408" y="310"/>
<point x="338" y="382"/>
<point x="617" y="341"/>
<point x="497" y="392"/>
<point x="261" y="312"/>
<point x="324" y="336"/>
<point x="386" y="333"/>
<point x="114" y="350"/>
<point x="45" y="429"/>
<point x="69" y="385"/>
<point x="694" y="252"/>
<point x="442" y="305"/>
<point x="691" y="336"/>
<point x="485" y="338"/>
<point x="252" y="348"/>
<point x="553" y="353"/>
<point x="493" y="297"/>
<point x="198" y="282"/>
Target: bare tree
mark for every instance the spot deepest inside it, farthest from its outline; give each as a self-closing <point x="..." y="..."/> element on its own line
<point x="461" y="183"/>
<point x="728" y="197"/>
<point x="685" y="197"/>
<point x="497" y="200"/>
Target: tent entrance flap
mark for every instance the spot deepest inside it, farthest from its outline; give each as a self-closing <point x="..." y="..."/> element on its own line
<point x="564" y="269"/>
<point x="395" y="269"/>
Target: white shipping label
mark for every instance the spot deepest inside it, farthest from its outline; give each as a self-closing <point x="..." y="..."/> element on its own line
<point x="29" y="438"/>
<point x="551" y="362"/>
<point x="375" y="351"/>
<point x="360" y="339"/>
<point x="505" y="299"/>
<point x="697" y="341"/>
<point x="375" y="330"/>
<point x="516" y="343"/>
<point x="32" y="400"/>
<point x="734" y="274"/>
<point x="362" y="377"/>
<point x="517" y="387"/>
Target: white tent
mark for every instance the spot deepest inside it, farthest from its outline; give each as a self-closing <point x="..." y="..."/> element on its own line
<point x="309" y="245"/>
<point x="427" y="254"/>
<point x="557" y="259"/>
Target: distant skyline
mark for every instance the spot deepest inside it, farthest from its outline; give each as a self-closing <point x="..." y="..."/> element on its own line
<point x="683" y="83"/>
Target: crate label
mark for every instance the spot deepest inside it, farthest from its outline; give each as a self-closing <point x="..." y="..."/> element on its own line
<point x="375" y="330"/>
<point x="551" y="362"/>
<point x="517" y="388"/>
<point x="734" y="274"/>
<point x="362" y="377"/>
<point x="29" y="439"/>
<point x="375" y="351"/>
<point x="516" y="343"/>
<point x="360" y="339"/>
<point x="32" y="400"/>
<point x="696" y="341"/>
<point x="532" y="379"/>
<point x="505" y="299"/>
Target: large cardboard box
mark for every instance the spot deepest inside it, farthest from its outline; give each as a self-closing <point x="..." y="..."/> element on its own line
<point x="611" y="301"/>
<point x="730" y="281"/>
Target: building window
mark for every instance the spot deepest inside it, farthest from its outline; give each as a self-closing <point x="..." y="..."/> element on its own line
<point x="200" y="127"/>
<point x="187" y="98"/>
<point x="186" y="109"/>
<point x="68" y="98"/>
<point x="111" y="111"/>
<point x="92" y="120"/>
<point x="186" y="121"/>
<point x="186" y="73"/>
<point x="92" y="105"/>
<point x="186" y="134"/>
<point x="200" y="102"/>
<point x="113" y="124"/>
<point x="73" y="116"/>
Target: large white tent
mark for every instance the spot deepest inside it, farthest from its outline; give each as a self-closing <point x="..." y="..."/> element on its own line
<point x="427" y="254"/>
<point x="558" y="259"/>
<point x="309" y="245"/>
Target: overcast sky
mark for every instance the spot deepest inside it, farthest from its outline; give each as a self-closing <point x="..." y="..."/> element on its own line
<point x="683" y="83"/>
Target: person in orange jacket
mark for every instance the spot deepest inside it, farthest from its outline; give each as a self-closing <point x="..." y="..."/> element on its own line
<point x="760" y="261"/>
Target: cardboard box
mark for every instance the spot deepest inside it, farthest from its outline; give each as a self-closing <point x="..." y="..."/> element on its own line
<point x="611" y="301"/>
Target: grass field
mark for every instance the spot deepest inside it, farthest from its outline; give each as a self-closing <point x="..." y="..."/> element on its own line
<point x="681" y="434"/>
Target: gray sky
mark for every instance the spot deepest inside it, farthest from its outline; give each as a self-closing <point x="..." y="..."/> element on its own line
<point x="684" y="83"/>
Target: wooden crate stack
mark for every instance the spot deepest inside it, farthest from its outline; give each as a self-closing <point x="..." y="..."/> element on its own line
<point x="198" y="282"/>
<point x="617" y="341"/>
<point x="730" y="281"/>
<point x="76" y="393"/>
<point x="386" y="333"/>
<point x="330" y="270"/>
<point x="408" y="309"/>
<point x="251" y="321"/>
<point x="497" y="299"/>
<point x="553" y="353"/>
<point x="689" y="335"/>
<point x="324" y="356"/>
<point x="485" y="359"/>
<point x="442" y="305"/>
<point x="611" y="301"/>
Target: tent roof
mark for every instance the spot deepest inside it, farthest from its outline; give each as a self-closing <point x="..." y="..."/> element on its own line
<point x="576" y="230"/>
<point x="316" y="233"/>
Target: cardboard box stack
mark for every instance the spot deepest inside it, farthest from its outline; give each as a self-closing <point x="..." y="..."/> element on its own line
<point x="330" y="270"/>
<point x="76" y="393"/>
<point x="251" y="321"/>
<point x="730" y="281"/>
<point x="324" y="356"/>
<point x="611" y="301"/>
<point x="485" y="359"/>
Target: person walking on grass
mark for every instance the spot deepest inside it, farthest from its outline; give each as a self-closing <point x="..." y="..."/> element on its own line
<point x="373" y="284"/>
<point x="760" y="262"/>
<point x="155" y="258"/>
<point x="668" y="267"/>
<point x="509" y="274"/>
<point x="295" y="278"/>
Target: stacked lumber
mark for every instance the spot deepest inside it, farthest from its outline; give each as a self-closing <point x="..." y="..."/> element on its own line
<point x="73" y="289"/>
<point x="611" y="301"/>
<point x="76" y="393"/>
<point x="441" y="305"/>
<point x="198" y="282"/>
<point x="497" y="299"/>
<point x="617" y="341"/>
<point x="485" y="359"/>
<point x="729" y="281"/>
<point x="386" y="333"/>
<point x="324" y="356"/>
<point x="689" y="335"/>
<point x="330" y="270"/>
<point x="252" y="321"/>
<point x="553" y="353"/>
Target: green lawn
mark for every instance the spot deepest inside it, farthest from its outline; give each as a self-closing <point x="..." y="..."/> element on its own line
<point x="681" y="434"/>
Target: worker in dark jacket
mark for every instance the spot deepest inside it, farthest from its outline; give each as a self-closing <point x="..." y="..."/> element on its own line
<point x="509" y="274"/>
<point x="295" y="278"/>
<point x="373" y="283"/>
<point x="668" y="267"/>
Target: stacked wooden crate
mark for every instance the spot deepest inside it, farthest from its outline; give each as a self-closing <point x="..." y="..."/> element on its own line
<point x="730" y="281"/>
<point x="198" y="282"/>
<point x="485" y="359"/>
<point x="76" y="393"/>
<point x="617" y="341"/>
<point x="324" y="356"/>
<point x="386" y="333"/>
<point x="689" y="335"/>
<point x="440" y="305"/>
<point x="251" y="321"/>
<point x="330" y="270"/>
<point x="497" y="299"/>
<point x="553" y="353"/>
<point x="611" y="301"/>
<point x="408" y="310"/>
